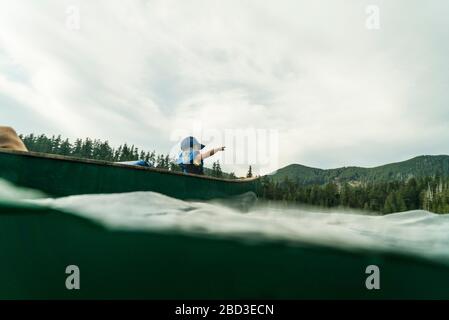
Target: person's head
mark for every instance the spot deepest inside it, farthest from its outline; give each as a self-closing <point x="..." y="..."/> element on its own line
<point x="10" y="140"/>
<point x="191" y="143"/>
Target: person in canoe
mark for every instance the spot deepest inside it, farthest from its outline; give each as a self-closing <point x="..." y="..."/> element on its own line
<point x="10" y="140"/>
<point x="191" y="157"/>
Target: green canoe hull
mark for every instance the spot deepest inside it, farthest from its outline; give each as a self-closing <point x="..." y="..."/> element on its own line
<point x="38" y="244"/>
<point x="63" y="176"/>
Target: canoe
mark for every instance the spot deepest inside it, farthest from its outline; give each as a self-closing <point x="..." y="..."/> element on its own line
<point x="37" y="244"/>
<point x="59" y="176"/>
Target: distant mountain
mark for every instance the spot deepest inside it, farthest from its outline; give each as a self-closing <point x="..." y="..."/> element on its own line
<point x="417" y="167"/>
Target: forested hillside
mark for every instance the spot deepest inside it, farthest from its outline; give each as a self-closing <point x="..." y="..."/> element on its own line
<point x="418" y="183"/>
<point x="423" y="166"/>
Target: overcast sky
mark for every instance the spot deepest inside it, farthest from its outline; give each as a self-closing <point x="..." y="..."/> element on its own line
<point x="337" y="92"/>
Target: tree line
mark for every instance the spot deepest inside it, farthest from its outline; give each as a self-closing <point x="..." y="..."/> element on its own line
<point x="430" y="193"/>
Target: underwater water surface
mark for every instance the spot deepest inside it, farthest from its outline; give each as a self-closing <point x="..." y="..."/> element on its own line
<point x="419" y="232"/>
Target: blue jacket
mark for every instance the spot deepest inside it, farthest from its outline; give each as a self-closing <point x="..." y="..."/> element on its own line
<point x="186" y="162"/>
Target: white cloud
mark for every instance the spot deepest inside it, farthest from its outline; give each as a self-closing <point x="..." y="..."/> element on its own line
<point x="138" y="70"/>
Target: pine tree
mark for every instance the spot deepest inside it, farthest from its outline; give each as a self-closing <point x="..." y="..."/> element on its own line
<point x="65" y="148"/>
<point x="152" y="157"/>
<point x="218" y="172"/>
<point x="160" y="162"/>
<point x="214" y="169"/>
<point x="118" y="154"/>
<point x="250" y="172"/>
<point x="104" y="152"/>
<point x="125" y="155"/>
<point x="77" y="149"/>
<point x="87" y="148"/>
<point x="167" y="162"/>
<point x="56" y="144"/>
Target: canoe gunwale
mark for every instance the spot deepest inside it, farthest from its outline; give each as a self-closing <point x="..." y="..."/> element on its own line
<point x="118" y="165"/>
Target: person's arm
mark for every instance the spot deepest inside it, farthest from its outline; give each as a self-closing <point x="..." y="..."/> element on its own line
<point x="207" y="154"/>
